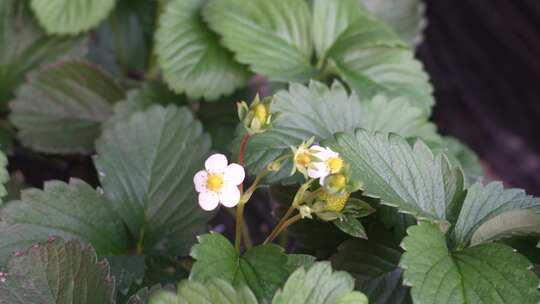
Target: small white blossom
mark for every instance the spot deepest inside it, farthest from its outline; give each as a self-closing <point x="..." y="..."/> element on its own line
<point x="218" y="183"/>
<point x="329" y="163"/>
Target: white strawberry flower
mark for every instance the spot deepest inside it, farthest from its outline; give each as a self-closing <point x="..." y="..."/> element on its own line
<point x="329" y="163"/>
<point x="218" y="183"/>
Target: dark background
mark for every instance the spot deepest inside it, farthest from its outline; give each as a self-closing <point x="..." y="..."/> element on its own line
<point x="484" y="60"/>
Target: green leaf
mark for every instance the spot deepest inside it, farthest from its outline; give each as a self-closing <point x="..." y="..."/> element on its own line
<point x="488" y="273"/>
<point x="373" y="60"/>
<point x="405" y="17"/>
<point x="57" y="272"/>
<point x="220" y="119"/>
<point x="459" y="154"/>
<point x="146" y="166"/>
<point x="272" y="37"/>
<point x="410" y="178"/>
<point x="19" y="237"/>
<point x="330" y="19"/>
<point x="352" y="226"/>
<point x="374" y="266"/>
<point x="319" y="111"/>
<point x="319" y="285"/>
<point x="483" y="203"/>
<point x="164" y="270"/>
<point x="7" y="137"/>
<point x="295" y="261"/>
<point x="140" y="99"/>
<point x="143" y="296"/>
<point x="61" y="107"/>
<point x="507" y="224"/>
<point x="398" y="116"/>
<point x="214" y="291"/>
<point x="73" y="210"/>
<point x="192" y="60"/>
<point x="263" y="269"/>
<point x="24" y="46"/>
<point x="71" y="16"/>
<point x="126" y="270"/>
<point x="129" y="27"/>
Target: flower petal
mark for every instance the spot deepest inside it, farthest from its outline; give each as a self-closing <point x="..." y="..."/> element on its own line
<point x="216" y="163"/>
<point x="229" y="196"/>
<point x="208" y="200"/>
<point x="319" y="170"/>
<point x="322" y="153"/>
<point x="200" y="180"/>
<point x="234" y="174"/>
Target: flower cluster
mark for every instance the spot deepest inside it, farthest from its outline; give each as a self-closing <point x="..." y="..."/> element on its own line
<point x="322" y="163"/>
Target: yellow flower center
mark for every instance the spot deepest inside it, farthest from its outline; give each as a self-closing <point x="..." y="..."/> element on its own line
<point x="261" y="113"/>
<point x="335" y="164"/>
<point x="334" y="202"/>
<point x="337" y="181"/>
<point x="303" y="159"/>
<point x="214" y="182"/>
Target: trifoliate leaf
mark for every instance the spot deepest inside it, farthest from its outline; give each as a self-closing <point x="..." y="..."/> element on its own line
<point x="330" y="19"/>
<point x="214" y="291"/>
<point x="319" y="111"/>
<point x="318" y="284"/>
<point x="24" y="46"/>
<point x="126" y="270"/>
<point x="488" y="273"/>
<point x="374" y="266"/>
<point x="405" y="17"/>
<point x="272" y="37"/>
<point x="412" y="179"/>
<point x="507" y="224"/>
<point x="57" y="272"/>
<point x="262" y="269"/>
<point x="373" y="60"/>
<point x="61" y="107"/>
<point x="483" y="203"/>
<point x="190" y="55"/>
<point x="73" y="210"/>
<point x="146" y="166"/>
<point x="71" y="16"/>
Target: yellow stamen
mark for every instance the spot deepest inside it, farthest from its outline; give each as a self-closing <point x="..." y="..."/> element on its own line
<point x="335" y="164"/>
<point x="303" y="159"/>
<point x="261" y="113"/>
<point x="214" y="182"/>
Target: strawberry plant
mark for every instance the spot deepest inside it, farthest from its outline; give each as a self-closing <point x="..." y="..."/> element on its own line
<point x="190" y="108"/>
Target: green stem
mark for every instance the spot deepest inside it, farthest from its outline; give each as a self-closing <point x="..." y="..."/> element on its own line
<point x="285" y="225"/>
<point x="298" y="199"/>
<point x="239" y="225"/>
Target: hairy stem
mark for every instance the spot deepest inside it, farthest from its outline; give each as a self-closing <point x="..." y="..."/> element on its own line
<point x="280" y="229"/>
<point x="298" y="199"/>
<point x="240" y="208"/>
